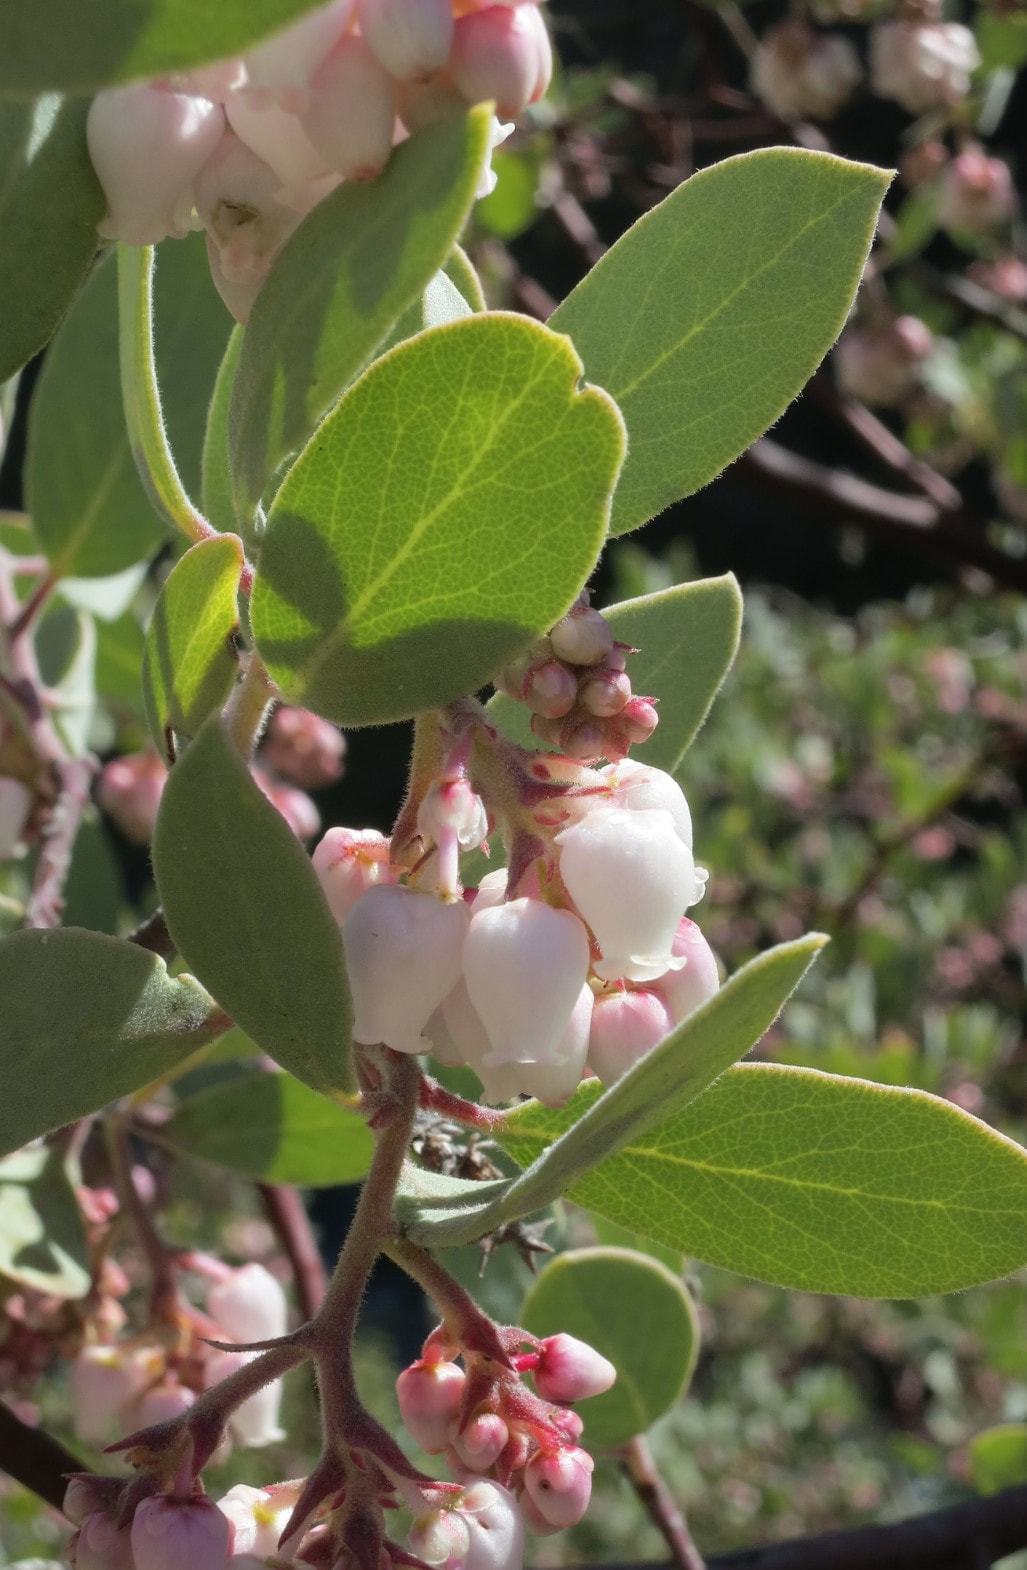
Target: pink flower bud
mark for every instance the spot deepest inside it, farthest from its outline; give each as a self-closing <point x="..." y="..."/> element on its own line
<point x="606" y="694"/>
<point x="481" y="1442"/>
<point x="976" y="193"/>
<point x="922" y="66"/>
<point x="351" y="114"/>
<point x="169" y="1533"/>
<point x="249" y="1305"/>
<point x="800" y="73"/>
<point x="295" y="806"/>
<point x="159" y="1405"/>
<point x="625" y="1026"/>
<point x="550" y="690"/>
<point x="571" y="1370"/>
<point x="639" y="788"/>
<point x="303" y="748"/>
<point x="686" y="987"/>
<point x="236" y="197"/>
<point x="257" y="1519"/>
<point x="559" y="1484"/>
<point x="129" y="791"/>
<point x="525" y="964"/>
<point x="280" y="69"/>
<point x="15" y="805"/>
<point x="503" y="53"/>
<point x="483" y="1531"/>
<point x="412" y="38"/>
<point x="451" y="806"/>
<point x="429" y="1397"/>
<point x="100" y="1545"/>
<point x="882" y="368"/>
<point x="87" y="1494"/>
<point x="147" y="147"/>
<point x="349" y="862"/>
<point x="632" y="879"/>
<point x="402" y="956"/>
<point x="583" y="637"/>
<point x="636" y="722"/>
<point x="104" y="1381"/>
<point x="280" y="140"/>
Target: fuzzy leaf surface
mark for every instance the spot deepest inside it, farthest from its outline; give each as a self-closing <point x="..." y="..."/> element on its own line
<point x="812" y="1181"/>
<point x="50" y="205"/>
<point x="711" y="313"/>
<point x="216" y="483"/>
<point x="354" y="265"/>
<point x="275" y="1130"/>
<point x="65" y="44"/>
<point x="87" y="1018"/>
<point x="247" y="914"/>
<point x="625" y="1305"/>
<point x="88" y="504"/>
<point x="446" y="512"/>
<point x="594" y="1124"/>
<point x="189" y="661"/>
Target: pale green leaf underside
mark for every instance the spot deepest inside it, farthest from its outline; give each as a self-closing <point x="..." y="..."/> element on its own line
<point x="216" y="492"/>
<point x="632" y="1310"/>
<point x="87" y="1018"/>
<point x="246" y="912"/>
<point x="354" y="265"/>
<point x="42" y="1240"/>
<point x="812" y="1181"/>
<point x="687" y="637"/>
<point x="446" y="512"/>
<point x="70" y="45"/>
<point x="274" y="1130"/>
<point x="190" y="662"/>
<point x="706" y="319"/>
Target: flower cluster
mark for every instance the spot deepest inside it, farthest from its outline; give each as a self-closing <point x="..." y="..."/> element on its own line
<point x="170" y="1530"/>
<point x="246" y="147"/>
<point x="515" y="1452"/>
<point x="576" y="685"/>
<point x="578" y="958"/>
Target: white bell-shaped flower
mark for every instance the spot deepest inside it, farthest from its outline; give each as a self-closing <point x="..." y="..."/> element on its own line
<point x="249" y="1305"/>
<point x="632" y="879"/>
<point x="147" y="147"/>
<point x="169" y="1532"/>
<point x="105" y="1380"/>
<point x="280" y="69"/>
<point x="351" y="113"/>
<point x="687" y="986"/>
<point x="403" y="952"/>
<point x="236" y="197"/>
<point x="638" y="787"/>
<point x="482" y="1530"/>
<point x="553" y="1083"/>
<point x="525" y="964"/>
<point x="281" y="141"/>
<point x="259" y="1519"/>
<point x="502" y="53"/>
<point x="412" y="38"/>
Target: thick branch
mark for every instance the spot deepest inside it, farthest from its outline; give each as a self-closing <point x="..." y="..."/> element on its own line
<point x="662" y="1508"/>
<point x="34" y="1459"/>
<point x="288" y="1215"/>
<point x="46" y="901"/>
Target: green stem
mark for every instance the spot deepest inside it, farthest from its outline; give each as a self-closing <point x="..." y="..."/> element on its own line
<point x="248" y="706"/>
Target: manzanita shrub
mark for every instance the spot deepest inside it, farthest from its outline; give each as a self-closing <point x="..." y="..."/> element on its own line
<point x="392" y="499"/>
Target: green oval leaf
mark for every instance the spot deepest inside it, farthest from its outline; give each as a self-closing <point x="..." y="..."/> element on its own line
<point x="42" y="1240"/>
<point x="447" y="512"/>
<point x="247" y="914"/>
<point x="811" y="1181"/>
<point x="86" y="1019"/>
<point x="216" y="491"/>
<point x="709" y="315"/>
<point x="637" y="1314"/>
<point x="88" y="505"/>
<point x="354" y="265"/>
<point x="190" y="660"/>
<point x="687" y="638"/>
<point x="275" y="1130"/>
<point x="65" y="44"/>
<point x="50" y="205"/>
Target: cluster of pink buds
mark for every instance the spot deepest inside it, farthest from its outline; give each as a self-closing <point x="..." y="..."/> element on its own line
<point x="576" y="685"/>
<point x="882" y="367"/>
<point x="516" y="1453"/>
<point x="150" y="1378"/>
<point x="975" y="193"/>
<point x="922" y="64"/>
<point x="579" y="957"/>
<point x="800" y="73"/>
<point x="301" y="749"/>
<point x="245" y="147"/>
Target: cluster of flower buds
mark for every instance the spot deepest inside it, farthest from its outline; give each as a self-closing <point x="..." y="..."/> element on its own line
<point x="177" y="1529"/>
<point x="122" y="1386"/>
<point x="800" y="73"/>
<point x="922" y="63"/>
<point x="575" y="683"/>
<point x="301" y="750"/>
<point x="515" y="1452"/>
<point x="975" y="193"/>
<point x="580" y="958"/>
<point x="882" y="367"/>
<point x="245" y="147"/>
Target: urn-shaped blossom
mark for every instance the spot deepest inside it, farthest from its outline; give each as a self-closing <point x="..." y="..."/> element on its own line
<point x="279" y="70"/>
<point x="552" y="1081"/>
<point x="100" y="1545"/>
<point x="169" y="1533"/>
<point x="482" y="1530"/>
<point x="693" y="983"/>
<point x="104" y="1381"/>
<point x="632" y="878"/>
<point x="411" y="38"/>
<point x="351" y="113"/>
<point x="559" y="1484"/>
<point x="257" y="1519"/>
<point x="639" y="788"/>
<point x="525" y="964"/>
<point x="429" y="1396"/>
<point x="249" y="1305"/>
<point x="348" y="862"/>
<point x="147" y="147"/>
<point x="402" y="957"/>
<point x="625" y="1026"/>
<point x="571" y="1370"/>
